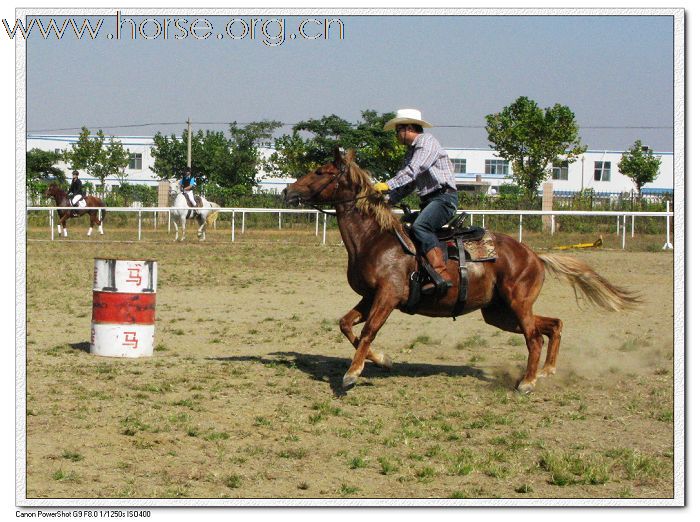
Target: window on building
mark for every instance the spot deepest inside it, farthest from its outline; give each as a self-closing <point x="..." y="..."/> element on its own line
<point x="496" y="167"/>
<point x="560" y="170"/>
<point x="135" y="161"/>
<point x="459" y="165"/>
<point x="601" y="171"/>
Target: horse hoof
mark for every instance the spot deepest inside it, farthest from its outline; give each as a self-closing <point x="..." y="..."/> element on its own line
<point x="526" y="387"/>
<point x="385" y="361"/>
<point x="349" y="381"/>
<point x="546" y="371"/>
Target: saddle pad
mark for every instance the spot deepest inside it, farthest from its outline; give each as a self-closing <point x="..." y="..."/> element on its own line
<point x="483" y="249"/>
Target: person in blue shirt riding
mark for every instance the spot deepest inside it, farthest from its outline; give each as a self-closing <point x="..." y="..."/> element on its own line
<point x="187" y="185"/>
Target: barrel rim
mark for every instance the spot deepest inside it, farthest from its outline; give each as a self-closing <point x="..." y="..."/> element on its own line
<point x="125" y="259"/>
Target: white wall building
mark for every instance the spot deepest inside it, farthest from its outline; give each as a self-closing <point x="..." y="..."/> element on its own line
<point x="475" y="169"/>
<point x="482" y="169"/>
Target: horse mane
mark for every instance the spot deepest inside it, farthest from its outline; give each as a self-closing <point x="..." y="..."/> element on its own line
<point x="369" y="201"/>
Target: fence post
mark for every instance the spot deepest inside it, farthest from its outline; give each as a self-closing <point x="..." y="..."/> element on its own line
<point x="617" y="232"/>
<point x="632" y="225"/>
<point x="155" y="219"/>
<point x="553" y="226"/>
<point x="520" y="229"/>
<point x="624" y="229"/>
<point x="233" y="225"/>
<point x="668" y="245"/>
<point x="279" y="220"/>
<point x="325" y="220"/>
<point x="243" y="223"/>
<point x="139" y="224"/>
<point x="317" y="223"/>
<point x="51" y="223"/>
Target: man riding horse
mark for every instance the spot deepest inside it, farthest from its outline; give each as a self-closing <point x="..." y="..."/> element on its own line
<point x="428" y="170"/>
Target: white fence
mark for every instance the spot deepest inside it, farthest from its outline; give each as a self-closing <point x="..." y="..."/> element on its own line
<point x="621" y="217"/>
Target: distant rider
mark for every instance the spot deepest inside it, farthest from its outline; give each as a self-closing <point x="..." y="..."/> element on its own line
<point x="187" y="185"/>
<point x="75" y="192"/>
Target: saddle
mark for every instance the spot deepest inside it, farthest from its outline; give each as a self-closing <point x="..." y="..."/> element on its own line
<point x="197" y="200"/>
<point x="464" y="244"/>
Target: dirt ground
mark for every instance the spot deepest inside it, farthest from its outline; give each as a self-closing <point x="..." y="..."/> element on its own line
<point x="242" y="398"/>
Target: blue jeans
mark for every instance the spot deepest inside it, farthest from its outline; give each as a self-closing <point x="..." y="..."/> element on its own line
<point x="433" y="215"/>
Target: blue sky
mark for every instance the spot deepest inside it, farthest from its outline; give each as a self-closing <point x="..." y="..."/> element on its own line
<point x="612" y="71"/>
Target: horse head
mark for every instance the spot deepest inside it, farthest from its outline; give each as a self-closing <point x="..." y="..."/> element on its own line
<point x="328" y="183"/>
<point x="54" y="191"/>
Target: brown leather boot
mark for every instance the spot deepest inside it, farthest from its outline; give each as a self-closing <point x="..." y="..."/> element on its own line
<point x="436" y="260"/>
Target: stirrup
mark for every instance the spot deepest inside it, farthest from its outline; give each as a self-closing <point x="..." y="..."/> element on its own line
<point x="440" y="288"/>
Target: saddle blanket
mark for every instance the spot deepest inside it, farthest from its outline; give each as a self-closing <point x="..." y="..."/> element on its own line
<point x="482" y="249"/>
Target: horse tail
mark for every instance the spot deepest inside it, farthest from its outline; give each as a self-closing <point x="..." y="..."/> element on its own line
<point x="594" y="287"/>
<point x="211" y="217"/>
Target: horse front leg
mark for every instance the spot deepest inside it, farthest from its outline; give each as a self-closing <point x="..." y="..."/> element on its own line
<point x="382" y="306"/>
<point x="93" y="222"/>
<point x="354" y="317"/>
<point x="62" y="227"/>
<point x="201" y="230"/>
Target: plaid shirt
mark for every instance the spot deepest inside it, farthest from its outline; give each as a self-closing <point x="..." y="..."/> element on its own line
<point x="426" y="167"/>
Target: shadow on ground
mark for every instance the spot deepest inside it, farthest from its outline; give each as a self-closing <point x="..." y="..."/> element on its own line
<point x="331" y="369"/>
<point x="84" y="346"/>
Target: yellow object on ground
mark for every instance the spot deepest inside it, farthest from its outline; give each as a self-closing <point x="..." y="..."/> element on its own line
<point x="596" y="244"/>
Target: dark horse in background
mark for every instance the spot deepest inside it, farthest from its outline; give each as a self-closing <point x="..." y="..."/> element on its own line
<point x="94" y="206"/>
<point x="379" y="269"/>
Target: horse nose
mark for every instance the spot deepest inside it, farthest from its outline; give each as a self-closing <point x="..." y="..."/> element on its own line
<point x="284" y="193"/>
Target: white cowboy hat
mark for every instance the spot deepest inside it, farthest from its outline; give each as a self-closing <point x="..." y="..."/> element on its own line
<point x="405" y="117"/>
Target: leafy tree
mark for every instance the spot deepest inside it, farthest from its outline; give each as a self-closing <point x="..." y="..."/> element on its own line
<point x="532" y="138"/>
<point x="377" y="150"/>
<point x="230" y="162"/>
<point x="640" y="164"/>
<point x="97" y="159"/>
<point x="40" y="167"/>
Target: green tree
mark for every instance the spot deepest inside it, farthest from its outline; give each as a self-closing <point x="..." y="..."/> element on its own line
<point x="640" y="164"/>
<point x="377" y="150"/>
<point x="98" y="159"/>
<point x="531" y="138"/>
<point x="230" y="162"/>
<point x="41" y="166"/>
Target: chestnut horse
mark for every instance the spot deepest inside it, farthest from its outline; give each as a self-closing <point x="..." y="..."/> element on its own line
<point x="61" y="199"/>
<point x="379" y="270"/>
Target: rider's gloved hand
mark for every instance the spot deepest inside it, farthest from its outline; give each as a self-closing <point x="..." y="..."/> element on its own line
<point x="381" y="187"/>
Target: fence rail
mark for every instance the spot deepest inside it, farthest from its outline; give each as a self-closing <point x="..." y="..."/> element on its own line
<point x="241" y="211"/>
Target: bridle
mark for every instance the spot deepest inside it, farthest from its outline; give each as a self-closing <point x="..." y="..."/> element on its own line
<point x="342" y="171"/>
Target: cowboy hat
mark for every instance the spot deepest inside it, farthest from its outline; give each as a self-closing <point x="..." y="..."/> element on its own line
<point x="406" y="117"/>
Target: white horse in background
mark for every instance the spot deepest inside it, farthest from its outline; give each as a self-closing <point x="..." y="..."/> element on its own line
<point x="183" y="211"/>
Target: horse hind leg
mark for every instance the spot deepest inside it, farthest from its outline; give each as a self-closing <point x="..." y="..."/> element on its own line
<point x="519" y="320"/>
<point x="354" y="317"/>
<point x="551" y="327"/>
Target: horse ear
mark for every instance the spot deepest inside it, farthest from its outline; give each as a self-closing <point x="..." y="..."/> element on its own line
<point x="350" y="156"/>
<point x="337" y="157"/>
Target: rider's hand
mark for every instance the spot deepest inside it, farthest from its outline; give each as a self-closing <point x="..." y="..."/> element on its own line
<point x="381" y="187"/>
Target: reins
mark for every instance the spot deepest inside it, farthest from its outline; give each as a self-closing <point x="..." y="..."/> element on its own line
<point x="343" y="171"/>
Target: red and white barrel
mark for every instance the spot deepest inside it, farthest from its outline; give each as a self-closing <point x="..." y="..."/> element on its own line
<point x="123" y="308"/>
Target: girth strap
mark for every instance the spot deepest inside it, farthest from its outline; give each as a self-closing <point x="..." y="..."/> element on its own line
<point x="463" y="279"/>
